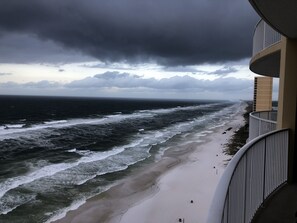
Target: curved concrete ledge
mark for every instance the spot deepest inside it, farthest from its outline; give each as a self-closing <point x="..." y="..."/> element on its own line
<point x="280" y="14"/>
<point x="267" y="61"/>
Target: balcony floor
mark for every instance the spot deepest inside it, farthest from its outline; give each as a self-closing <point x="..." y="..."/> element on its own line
<point x="280" y="208"/>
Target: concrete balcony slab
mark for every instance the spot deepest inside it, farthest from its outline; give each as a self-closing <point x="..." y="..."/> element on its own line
<point x="279" y="14"/>
<point x="280" y="208"/>
<point x="267" y="61"/>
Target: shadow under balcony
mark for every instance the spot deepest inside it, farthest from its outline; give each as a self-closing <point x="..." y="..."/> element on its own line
<point x="280" y="14"/>
<point x="280" y="207"/>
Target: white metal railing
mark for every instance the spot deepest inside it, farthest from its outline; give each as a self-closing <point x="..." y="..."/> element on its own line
<point x="261" y="123"/>
<point x="256" y="170"/>
<point x="264" y="36"/>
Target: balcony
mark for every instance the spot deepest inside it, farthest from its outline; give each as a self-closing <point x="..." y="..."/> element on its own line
<point x="266" y="50"/>
<point x="280" y="14"/>
<point x="256" y="171"/>
<point x="261" y="123"/>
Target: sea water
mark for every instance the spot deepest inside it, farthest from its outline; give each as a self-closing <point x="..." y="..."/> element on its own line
<point x="56" y="152"/>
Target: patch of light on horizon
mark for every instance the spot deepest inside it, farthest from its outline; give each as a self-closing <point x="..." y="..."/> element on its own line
<point x="242" y="74"/>
<point x="65" y="73"/>
<point x="23" y="73"/>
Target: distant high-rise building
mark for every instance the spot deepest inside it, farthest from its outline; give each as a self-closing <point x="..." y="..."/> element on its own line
<point x="262" y="94"/>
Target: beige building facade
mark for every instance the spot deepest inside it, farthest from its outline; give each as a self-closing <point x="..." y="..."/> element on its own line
<point x="262" y="94"/>
<point x="276" y="56"/>
<point x="260" y="183"/>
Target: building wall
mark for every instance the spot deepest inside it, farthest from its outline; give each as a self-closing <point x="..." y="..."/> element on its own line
<point x="262" y="94"/>
<point x="287" y="101"/>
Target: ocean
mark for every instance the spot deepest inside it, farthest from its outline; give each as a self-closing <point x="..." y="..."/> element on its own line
<point x="56" y="152"/>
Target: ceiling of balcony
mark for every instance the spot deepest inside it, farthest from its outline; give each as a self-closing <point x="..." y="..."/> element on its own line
<point x="280" y="14"/>
<point x="267" y="65"/>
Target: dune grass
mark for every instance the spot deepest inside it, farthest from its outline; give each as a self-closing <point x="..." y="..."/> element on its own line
<point x="240" y="136"/>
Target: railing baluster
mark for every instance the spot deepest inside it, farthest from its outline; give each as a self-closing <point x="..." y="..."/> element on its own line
<point x="260" y="123"/>
<point x="252" y="175"/>
<point x="264" y="37"/>
<point x="264" y="167"/>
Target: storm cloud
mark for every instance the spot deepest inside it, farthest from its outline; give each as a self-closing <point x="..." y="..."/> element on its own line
<point x="167" y="32"/>
<point x="176" y="83"/>
<point x="116" y="84"/>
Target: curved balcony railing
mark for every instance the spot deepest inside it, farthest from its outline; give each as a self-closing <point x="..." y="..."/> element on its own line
<point x="256" y="170"/>
<point x="264" y="36"/>
<point x="261" y="123"/>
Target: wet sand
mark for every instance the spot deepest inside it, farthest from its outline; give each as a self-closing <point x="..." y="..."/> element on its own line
<point x="177" y="188"/>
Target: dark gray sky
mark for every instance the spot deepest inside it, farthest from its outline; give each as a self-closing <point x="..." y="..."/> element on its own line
<point x="167" y="32"/>
<point x="127" y="48"/>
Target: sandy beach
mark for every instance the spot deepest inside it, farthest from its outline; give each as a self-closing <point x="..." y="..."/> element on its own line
<point x="178" y="188"/>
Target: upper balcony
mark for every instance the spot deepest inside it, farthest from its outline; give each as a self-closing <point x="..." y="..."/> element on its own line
<point x="266" y="50"/>
<point x="280" y="14"/>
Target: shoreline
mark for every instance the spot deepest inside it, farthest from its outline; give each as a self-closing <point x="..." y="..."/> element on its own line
<point x="165" y="188"/>
<point x="126" y="193"/>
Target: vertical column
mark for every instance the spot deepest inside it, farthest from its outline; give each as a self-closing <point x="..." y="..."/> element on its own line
<point x="287" y="100"/>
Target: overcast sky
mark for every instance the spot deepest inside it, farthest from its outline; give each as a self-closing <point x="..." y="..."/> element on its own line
<point x="127" y="48"/>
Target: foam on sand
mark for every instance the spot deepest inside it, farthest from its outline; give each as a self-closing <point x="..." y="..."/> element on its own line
<point x="186" y="191"/>
<point x="179" y="186"/>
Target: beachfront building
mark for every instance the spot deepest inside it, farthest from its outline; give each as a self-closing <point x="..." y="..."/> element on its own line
<point x="260" y="182"/>
<point x="262" y="94"/>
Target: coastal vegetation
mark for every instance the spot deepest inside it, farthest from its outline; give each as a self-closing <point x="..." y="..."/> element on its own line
<point x="240" y="136"/>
